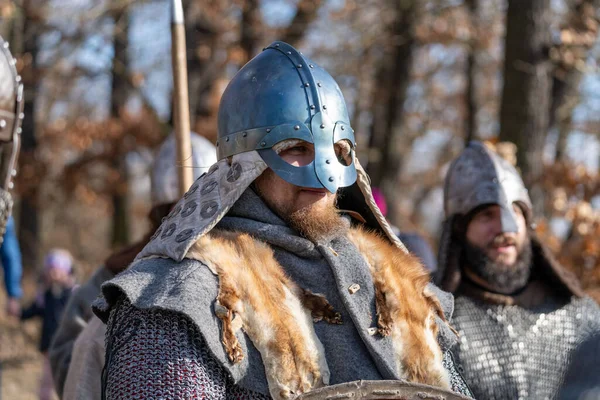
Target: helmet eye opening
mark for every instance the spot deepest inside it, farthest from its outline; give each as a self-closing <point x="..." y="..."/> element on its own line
<point x="344" y="151"/>
<point x="296" y="153"/>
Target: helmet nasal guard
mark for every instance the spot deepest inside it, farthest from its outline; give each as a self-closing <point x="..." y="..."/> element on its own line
<point x="281" y="95"/>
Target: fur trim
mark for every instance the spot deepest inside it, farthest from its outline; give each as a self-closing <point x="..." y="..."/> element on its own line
<point x="406" y="310"/>
<point x="277" y="315"/>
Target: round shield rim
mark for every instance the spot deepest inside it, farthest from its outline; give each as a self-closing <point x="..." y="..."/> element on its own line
<point x="380" y="390"/>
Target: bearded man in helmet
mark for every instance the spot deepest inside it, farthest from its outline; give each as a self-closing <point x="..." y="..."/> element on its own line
<point x="519" y="313"/>
<point x="257" y="286"/>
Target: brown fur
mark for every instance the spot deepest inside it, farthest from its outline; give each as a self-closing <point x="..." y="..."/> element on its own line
<point x="320" y="307"/>
<point x="405" y="309"/>
<point x="248" y="270"/>
<point x="253" y="286"/>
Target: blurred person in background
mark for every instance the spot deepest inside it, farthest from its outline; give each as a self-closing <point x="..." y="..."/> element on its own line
<point x="519" y="313"/>
<point x="10" y="256"/>
<point x="77" y="353"/>
<point x="414" y="242"/>
<point x="56" y="287"/>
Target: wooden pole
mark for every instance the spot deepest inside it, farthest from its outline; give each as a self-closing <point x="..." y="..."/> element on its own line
<point x="181" y="104"/>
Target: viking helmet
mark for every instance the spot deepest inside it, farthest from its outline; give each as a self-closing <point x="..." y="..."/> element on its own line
<point x="11" y="115"/>
<point x="281" y="95"/>
<point x="165" y="189"/>
<point x="476" y="178"/>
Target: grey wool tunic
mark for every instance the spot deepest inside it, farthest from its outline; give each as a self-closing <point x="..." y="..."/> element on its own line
<point x="184" y="292"/>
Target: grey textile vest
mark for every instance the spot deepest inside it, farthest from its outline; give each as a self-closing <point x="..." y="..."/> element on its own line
<point x="189" y="287"/>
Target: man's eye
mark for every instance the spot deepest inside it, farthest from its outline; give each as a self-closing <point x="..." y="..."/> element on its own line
<point x="298" y="149"/>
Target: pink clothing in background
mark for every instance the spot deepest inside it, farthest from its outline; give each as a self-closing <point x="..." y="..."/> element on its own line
<point x="380" y="200"/>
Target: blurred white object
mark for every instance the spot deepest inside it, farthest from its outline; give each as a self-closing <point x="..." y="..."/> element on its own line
<point x="165" y="170"/>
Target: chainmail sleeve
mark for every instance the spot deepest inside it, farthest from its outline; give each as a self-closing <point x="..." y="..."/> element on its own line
<point x="160" y="354"/>
<point x="457" y="382"/>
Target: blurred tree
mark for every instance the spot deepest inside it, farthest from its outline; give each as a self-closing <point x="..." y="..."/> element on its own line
<point x="251" y="29"/>
<point x="306" y="13"/>
<point x="32" y="13"/>
<point x="471" y="96"/>
<point x="578" y="34"/>
<point x="389" y="93"/>
<point x="203" y="37"/>
<point x="525" y="108"/>
<point x="118" y="101"/>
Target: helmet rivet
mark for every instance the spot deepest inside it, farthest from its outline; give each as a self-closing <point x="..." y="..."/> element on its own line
<point x="299" y="65"/>
<point x="312" y="107"/>
<point x="297" y="127"/>
<point x="245" y="134"/>
<point x="2" y="124"/>
<point x="227" y="139"/>
<point x="343" y="127"/>
<point x="263" y="144"/>
<point x="312" y="66"/>
<point x="331" y="179"/>
<point x="327" y="161"/>
<point x="322" y="126"/>
<point x="289" y="53"/>
<point x="307" y="84"/>
<point x="268" y="130"/>
<point x="324" y="107"/>
<point x="276" y="44"/>
<point x="319" y="84"/>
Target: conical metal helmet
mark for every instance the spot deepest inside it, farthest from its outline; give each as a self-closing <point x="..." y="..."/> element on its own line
<point x="281" y="95"/>
<point x="479" y="177"/>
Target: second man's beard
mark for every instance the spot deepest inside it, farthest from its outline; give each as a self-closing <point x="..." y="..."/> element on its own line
<point x="502" y="278"/>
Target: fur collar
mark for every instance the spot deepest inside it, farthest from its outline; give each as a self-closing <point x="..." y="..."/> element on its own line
<point x="256" y="295"/>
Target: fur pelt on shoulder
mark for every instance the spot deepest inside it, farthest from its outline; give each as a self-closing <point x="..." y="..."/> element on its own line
<point x="256" y="295"/>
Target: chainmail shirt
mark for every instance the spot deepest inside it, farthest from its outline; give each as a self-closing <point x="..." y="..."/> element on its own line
<point x="169" y="356"/>
<point x="509" y="352"/>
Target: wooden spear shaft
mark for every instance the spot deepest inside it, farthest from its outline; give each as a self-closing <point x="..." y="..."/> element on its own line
<point x="181" y="105"/>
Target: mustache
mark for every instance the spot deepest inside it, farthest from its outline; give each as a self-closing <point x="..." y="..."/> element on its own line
<point x="502" y="240"/>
